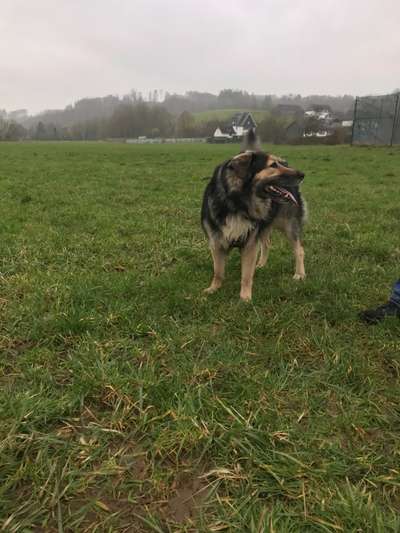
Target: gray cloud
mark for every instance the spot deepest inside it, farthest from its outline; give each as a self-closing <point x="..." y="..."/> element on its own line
<point x="55" y="52"/>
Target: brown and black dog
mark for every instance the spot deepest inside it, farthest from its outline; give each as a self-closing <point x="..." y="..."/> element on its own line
<point x="246" y="198"/>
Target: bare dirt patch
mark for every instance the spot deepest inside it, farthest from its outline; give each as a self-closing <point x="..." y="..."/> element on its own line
<point x="188" y="496"/>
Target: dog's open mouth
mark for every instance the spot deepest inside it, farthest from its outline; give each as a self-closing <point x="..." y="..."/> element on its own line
<point x="281" y="194"/>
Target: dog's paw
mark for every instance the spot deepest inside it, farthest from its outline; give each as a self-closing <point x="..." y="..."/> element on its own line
<point x="261" y="264"/>
<point x="245" y="297"/>
<point x="299" y="277"/>
<point x="210" y="290"/>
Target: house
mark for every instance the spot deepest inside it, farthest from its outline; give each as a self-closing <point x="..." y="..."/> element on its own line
<point x="319" y="133"/>
<point x="324" y="115"/>
<point x="311" y="114"/>
<point x="295" y="130"/>
<point x="235" y="129"/>
<point x="221" y="137"/>
<point x="242" y="122"/>
<point x="320" y="122"/>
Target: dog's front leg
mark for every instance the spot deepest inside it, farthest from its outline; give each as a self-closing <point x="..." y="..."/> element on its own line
<point x="265" y="244"/>
<point x="299" y="260"/>
<point x="219" y="259"/>
<point x="248" y="264"/>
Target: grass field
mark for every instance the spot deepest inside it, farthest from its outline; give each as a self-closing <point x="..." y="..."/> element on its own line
<point x="130" y="401"/>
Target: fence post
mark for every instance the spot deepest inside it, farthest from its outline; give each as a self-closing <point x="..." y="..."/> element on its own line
<point x="354" y="121"/>
<point x="396" y="111"/>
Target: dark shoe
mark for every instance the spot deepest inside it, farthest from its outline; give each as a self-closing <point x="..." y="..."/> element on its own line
<point x="372" y="316"/>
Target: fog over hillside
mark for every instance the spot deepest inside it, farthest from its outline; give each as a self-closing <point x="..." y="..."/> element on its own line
<point x="193" y="101"/>
<point x="55" y="53"/>
<point x="68" y="68"/>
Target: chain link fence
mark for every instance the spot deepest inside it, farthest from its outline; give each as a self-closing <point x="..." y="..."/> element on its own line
<point x="377" y="120"/>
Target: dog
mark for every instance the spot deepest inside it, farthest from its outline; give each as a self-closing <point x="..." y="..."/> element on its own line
<point x="246" y="198"/>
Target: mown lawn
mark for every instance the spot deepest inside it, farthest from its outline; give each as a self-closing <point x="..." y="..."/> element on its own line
<point x="130" y="401"/>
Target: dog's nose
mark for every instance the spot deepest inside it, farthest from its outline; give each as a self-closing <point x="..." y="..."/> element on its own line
<point x="300" y="175"/>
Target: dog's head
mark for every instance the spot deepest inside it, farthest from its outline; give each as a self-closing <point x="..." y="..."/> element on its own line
<point x="269" y="175"/>
<point x="276" y="179"/>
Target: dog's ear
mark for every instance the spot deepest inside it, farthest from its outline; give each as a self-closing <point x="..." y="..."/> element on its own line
<point x="246" y="165"/>
<point x="241" y="164"/>
<point x="258" y="162"/>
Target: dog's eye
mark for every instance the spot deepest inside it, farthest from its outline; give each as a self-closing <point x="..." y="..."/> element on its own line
<point x="274" y="165"/>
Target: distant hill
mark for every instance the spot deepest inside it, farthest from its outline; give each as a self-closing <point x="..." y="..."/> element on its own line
<point x="193" y="114"/>
<point x="224" y="115"/>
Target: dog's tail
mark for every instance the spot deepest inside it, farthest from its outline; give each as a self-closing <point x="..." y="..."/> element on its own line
<point x="251" y="141"/>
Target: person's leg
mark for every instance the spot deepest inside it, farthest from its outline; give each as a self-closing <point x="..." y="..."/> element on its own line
<point x="395" y="296"/>
<point x="390" y="308"/>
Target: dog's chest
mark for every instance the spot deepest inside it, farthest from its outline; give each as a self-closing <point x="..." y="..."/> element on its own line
<point x="259" y="208"/>
<point x="236" y="228"/>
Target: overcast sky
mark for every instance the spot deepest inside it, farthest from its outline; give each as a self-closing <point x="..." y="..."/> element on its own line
<point x="53" y="52"/>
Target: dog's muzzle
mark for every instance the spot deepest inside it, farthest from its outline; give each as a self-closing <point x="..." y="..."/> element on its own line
<point x="281" y="194"/>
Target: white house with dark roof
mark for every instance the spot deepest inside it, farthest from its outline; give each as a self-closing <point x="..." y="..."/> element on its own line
<point x="235" y="129"/>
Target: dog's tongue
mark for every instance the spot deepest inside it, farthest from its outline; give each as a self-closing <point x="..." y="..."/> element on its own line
<point x="287" y="195"/>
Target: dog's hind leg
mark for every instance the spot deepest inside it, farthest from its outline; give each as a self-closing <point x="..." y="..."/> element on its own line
<point x="292" y="231"/>
<point x="265" y="244"/>
<point x="248" y="264"/>
<point x="219" y="258"/>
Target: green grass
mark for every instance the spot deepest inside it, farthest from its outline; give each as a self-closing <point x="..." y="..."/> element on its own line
<point x="225" y="114"/>
<point x="126" y="393"/>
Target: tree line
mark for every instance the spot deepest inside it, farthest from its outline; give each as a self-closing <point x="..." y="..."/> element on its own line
<point x="128" y="120"/>
<point x="130" y="116"/>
